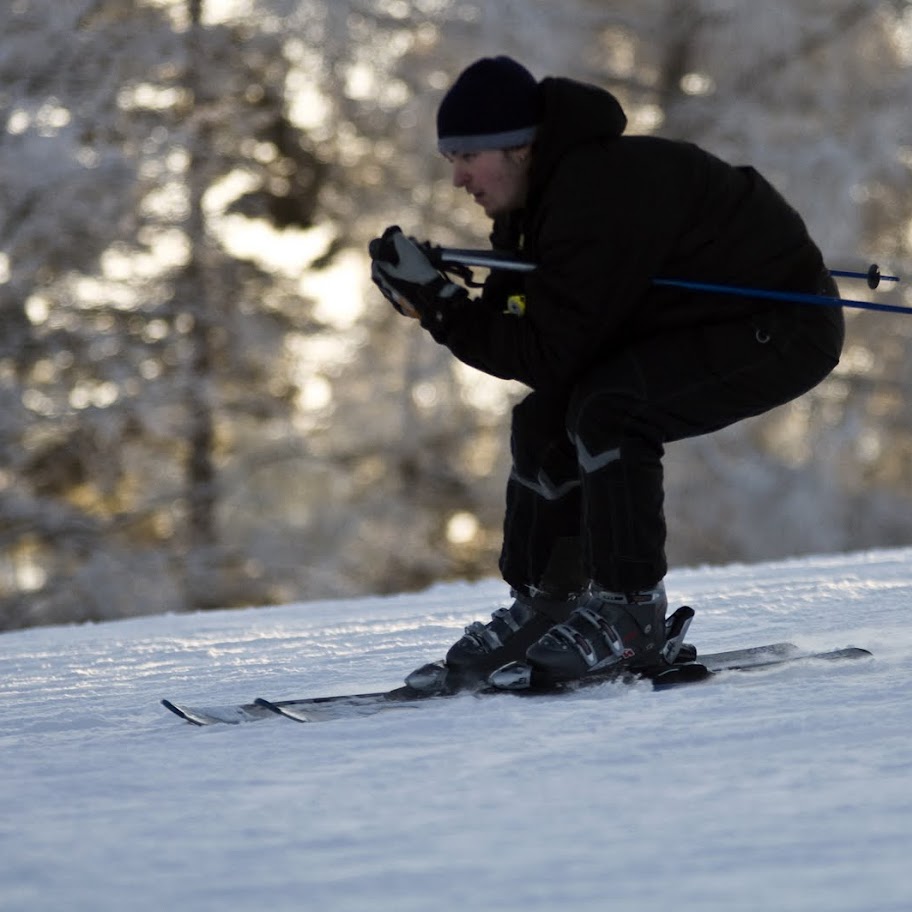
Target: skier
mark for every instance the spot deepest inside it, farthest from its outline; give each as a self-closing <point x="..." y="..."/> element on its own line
<point x="618" y="367"/>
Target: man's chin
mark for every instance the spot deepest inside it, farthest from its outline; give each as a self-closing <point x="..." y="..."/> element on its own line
<point x="494" y="210"/>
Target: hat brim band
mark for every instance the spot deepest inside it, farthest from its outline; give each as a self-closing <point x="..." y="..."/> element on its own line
<point x="454" y="145"/>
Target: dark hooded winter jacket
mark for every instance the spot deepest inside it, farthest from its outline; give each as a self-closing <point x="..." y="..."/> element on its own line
<point x="605" y="214"/>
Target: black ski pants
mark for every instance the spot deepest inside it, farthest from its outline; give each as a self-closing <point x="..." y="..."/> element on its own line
<point x="585" y="496"/>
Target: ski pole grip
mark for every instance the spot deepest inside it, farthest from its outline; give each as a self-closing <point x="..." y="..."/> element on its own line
<point x="383" y="248"/>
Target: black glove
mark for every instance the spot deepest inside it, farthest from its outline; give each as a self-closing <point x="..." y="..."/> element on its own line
<point x="403" y="271"/>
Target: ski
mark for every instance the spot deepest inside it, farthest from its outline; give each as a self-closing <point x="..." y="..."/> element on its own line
<point x="320" y="709"/>
<point x="216" y="715"/>
<point x="678" y="674"/>
<point x="331" y="709"/>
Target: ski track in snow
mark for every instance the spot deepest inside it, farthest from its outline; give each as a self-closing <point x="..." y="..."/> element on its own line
<point x="788" y="789"/>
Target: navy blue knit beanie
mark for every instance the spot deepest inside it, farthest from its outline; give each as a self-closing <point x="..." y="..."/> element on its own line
<point x="494" y="104"/>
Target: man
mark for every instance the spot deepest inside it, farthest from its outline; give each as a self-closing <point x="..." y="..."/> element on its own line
<point x="618" y="366"/>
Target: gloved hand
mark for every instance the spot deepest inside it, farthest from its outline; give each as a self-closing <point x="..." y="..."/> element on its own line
<point x="411" y="282"/>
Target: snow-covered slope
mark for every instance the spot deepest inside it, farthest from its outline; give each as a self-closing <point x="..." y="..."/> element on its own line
<point x="779" y="790"/>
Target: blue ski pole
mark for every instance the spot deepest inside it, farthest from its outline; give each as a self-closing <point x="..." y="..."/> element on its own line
<point x="873" y="276"/>
<point x="493" y="259"/>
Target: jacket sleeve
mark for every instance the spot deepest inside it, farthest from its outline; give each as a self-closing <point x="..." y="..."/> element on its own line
<point x="591" y="276"/>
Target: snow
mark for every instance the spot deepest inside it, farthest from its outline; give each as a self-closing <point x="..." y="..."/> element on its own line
<point x="786" y="789"/>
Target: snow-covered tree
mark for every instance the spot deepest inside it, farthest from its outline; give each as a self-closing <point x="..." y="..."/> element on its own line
<point x="205" y="402"/>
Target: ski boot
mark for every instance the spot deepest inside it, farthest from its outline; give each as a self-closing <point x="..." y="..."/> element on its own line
<point x="607" y="632"/>
<point x="486" y="647"/>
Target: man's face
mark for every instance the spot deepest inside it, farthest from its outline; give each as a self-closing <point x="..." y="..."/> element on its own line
<point x="497" y="179"/>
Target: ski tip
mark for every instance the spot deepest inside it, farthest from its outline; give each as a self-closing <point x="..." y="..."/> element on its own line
<point x="851" y="652"/>
<point x="180" y="712"/>
<point x="268" y="704"/>
<point x="284" y="709"/>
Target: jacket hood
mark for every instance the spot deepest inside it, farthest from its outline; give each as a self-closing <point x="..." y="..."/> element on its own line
<point x="574" y="113"/>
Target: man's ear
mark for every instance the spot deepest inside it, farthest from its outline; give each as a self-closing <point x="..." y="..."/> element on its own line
<point x="522" y="153"/>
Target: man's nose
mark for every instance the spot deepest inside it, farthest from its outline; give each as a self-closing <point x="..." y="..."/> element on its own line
<point x="459" y="176"/>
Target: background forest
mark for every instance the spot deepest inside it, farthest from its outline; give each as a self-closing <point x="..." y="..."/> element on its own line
<point x="204" y="402"/>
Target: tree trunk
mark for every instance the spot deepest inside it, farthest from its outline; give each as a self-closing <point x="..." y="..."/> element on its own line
<point x="198" y="305"/>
